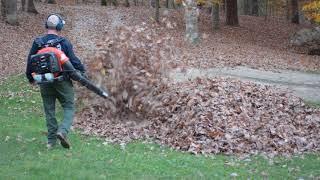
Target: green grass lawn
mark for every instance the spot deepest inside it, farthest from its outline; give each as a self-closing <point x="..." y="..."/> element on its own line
<point x="23" y="154"/>
<point x="313" y="104"/>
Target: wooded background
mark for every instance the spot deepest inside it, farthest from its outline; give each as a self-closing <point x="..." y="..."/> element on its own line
<point x="289" y="10"/>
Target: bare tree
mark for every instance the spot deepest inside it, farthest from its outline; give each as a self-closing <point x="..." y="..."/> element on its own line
<point x="127" y="4"/>
<point x="191" y="18"/>
<point x="23" y="5"/>
<point x="295" y="11"/>
<point x="246" y="7"/>
<point x="232" y="13"/>
<point x="51" y="2"/>
<point x="288" y="9"/>
<point x="109" y="2"/>
<point x="215" y="15"/>
<point x="114" y="2"/>
<point x="31" y="8"/>
<point x="103" y="2"/>
<point x="157" y="10"/>
<point x="11" y="12"/>
<point x="266" y="9"/>
<point x="3" y="9"/>
<point x="255" y="8"/>
<point x="171" y="4"/>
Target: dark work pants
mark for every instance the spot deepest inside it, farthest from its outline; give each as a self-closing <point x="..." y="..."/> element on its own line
<point x="64" y="92"/>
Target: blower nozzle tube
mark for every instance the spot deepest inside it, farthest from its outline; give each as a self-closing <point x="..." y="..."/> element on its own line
<point x="77" y="76"/>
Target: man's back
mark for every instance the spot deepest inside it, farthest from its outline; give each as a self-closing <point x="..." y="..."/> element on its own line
<point x="63" y="44"/>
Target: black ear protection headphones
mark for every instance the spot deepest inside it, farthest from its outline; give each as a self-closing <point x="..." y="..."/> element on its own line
<point x="60" y="25"/>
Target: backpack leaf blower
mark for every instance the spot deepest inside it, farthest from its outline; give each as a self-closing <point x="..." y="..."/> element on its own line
<point x="50" y="65"/>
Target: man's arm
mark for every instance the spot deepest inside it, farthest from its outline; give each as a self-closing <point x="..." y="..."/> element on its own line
<point x="33" y="51"/>
<point x="72" y="57"/>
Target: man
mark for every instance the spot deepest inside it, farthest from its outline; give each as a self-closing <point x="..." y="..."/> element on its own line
<point x="61" y="90"/>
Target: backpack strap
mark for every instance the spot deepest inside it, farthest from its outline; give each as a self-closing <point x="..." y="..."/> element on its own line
<point x="51" y="43"/>
<point x="39" y="41"/>
<point x="54" y="42"/>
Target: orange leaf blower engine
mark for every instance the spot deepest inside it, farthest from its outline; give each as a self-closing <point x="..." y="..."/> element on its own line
<point x="50" y="65"/>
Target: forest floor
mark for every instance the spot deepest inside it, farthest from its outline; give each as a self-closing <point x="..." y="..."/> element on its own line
<point x="260" y="69"/>
<point x="256" y="44"/>
<point x="251" y="52"/>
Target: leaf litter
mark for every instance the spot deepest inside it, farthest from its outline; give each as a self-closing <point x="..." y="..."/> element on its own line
<point x="218" y="115"/>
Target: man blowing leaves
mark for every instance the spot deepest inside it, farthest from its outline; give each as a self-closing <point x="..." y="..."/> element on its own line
<point x="59" y="89"/>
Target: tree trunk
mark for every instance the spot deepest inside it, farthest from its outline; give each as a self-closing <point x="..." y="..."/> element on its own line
<point x="103" y="2"/>
<point x="52" y="2"/>
<point x="191" y="18"/>
<point x="11" y="10"/>
<point x="172" y="4"/>
<point x="31" y="7"/>
<point x="114" y="3"/>
<point x="23" y="5"/>
<point x="295" y="11"/>
<point x="127" y="4"/>
<point x="250" y="7"/>
<point x="266" y="9"/>
<point x="157" y="10"/>
<point x="288" y="9"/>
<point x="215" y="16"/>
<point x="232" y="13"/>
<point x="3" y="9"/>
<point x="224" y="7"/>
<point x="255" y="8"/>
<point x="246" y="8"/>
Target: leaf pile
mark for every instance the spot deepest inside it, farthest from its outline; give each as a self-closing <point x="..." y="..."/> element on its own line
<point x="229" y="116"/>
<point x="201" y="116"/>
